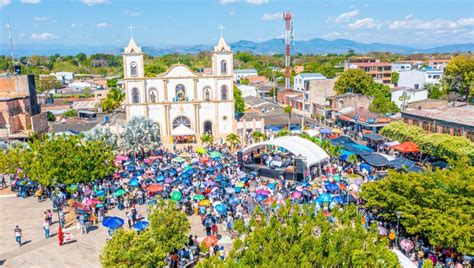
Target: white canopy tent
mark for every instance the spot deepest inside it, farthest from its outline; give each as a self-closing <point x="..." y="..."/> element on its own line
<point x="182" y="130"/>
<point x="297" y="146"/>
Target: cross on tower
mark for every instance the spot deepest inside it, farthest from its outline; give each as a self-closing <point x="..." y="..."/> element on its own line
<point x="221" y="28"/>
<point x="131" y="30"/>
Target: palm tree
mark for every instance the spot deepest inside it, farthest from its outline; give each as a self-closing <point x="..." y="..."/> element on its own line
<point x="233" y="139"/>
<point x="207" y="138"/>
<point x="334" y="150"/>
<point x="258" y="136"/>
<point x="102" y="134"/>
<point x="288" y="109"/>
<point x="140" y="135"/>
<point x="283" y="132"/>
<point x="114" y="99"/>
<point x="352" y="159"/>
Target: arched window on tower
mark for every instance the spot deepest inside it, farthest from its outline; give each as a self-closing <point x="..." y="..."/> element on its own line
<point x="224" y="93"/>
<point x="180" y="93"/>
<point x="223" y="67"/>
<point x="153" y="95"/>
<point x="133" y="69"/>
<point x="135" y="95"/>
<point x="207" y="94"/>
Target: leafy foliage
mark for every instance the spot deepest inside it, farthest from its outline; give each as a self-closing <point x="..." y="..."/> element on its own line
<point x="47" y="83"/>
<point x="239" y="102"/>
<point x="355" y="81"/>
<point x="395" y="77"/>
<point x="439" y="205"/>
<point x="459" y="76"/>
<point x="258" y="136"/>
<point x="61" y="159"/>
<point x="298" y="237"/>
<point x="114" y="99"/>
<point x="383" y="105"/>
<point x="70" y="113"/>
<point x="233" y="139"/>
<point x="434" y="91"/>
<point x="140" y="135"/>
<point x="102" y="134"/>
<point x="207" y="138"/>
<point x="443" y="146"/>
<point x="51" y="117"/>
<point x="167" y="231"/>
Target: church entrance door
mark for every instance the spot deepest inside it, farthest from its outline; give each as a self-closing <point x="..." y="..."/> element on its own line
<point x="208" y="127"/>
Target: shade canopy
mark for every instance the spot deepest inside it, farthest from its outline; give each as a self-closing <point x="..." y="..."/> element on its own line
<point x="182" y="130"/>
<point x="297" y="146"/>
<point x="375" y="160"/>
<point x="374" y="137"/>
<point x="407" y="147"/>
<point x="350" y="145"/>
<point x="402" y="163"/>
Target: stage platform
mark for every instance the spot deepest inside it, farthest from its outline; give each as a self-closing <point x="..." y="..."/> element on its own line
<point x="271" y="173"/>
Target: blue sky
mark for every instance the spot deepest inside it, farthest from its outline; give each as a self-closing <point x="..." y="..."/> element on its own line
<point x="421" y="23"/>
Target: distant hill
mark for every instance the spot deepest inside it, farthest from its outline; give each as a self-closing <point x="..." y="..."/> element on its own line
<point x="272" y="46"/>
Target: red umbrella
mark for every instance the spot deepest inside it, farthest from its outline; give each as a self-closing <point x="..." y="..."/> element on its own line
<point x="204" y="159"/>
<point x="406" y="147"/>
<point x="155" y="187"/>
<point x="210" y="241"/>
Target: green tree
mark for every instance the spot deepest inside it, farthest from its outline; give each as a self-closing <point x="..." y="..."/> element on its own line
<point x="282" y="133"/>
<point x="81" y="57"/>
<point x="288" y="110"/>
<point x="295" y="237"/>
<point x="244" y="81"/>
<point x="438" y="205"/>
<point x="102" y="134"/>
<point x="12" y="159"/>
<point x="383" y="105"/>
<point x="459" y="76"/>
<point x="233" y="139"/>
<point x="61" y="159"/>
<point x="434" y="91"/>
<point x="207" y="138"/>
<point x="112" y="82"/>
<point x="140" y="136"/>
<point x="395" y="77"/>
<point x="113" y="100"/>
<point x="47" y="83"/>
<point x="167" y="231"/>
<point x="239" y="102"/>
<point x="70" y="113"/>
<point x="258" y="136"/>
<point x="353" y="80"/>
<point x="327" y="70"/>
<point x="51" y="116"/>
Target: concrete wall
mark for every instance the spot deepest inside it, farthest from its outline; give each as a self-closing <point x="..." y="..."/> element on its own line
<point x="319" y="90"/>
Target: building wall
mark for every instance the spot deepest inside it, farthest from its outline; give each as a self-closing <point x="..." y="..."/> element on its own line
<point x="401" y="67"/>
<point x="356" y="101"/>
<point x="412" y="79"/>
<point x="413" y="96"/>
<point x="319" y="90"/>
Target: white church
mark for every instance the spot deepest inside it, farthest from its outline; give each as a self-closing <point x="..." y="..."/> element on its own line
<point x="183" y="103"/>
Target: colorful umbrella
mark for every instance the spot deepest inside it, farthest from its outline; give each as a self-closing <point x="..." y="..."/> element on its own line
<point x="204" y="202"/>
<point x="331" y="187"/>
<point x="119" y="192"/>
<point x="337" y="199"/>
<point x="337" y="178"/>
<point x="155" y="188"/>
<point x="199" y="197"/>
<point x="240" y="184"/>
<point x="178" y="159"/>
<point x="112" y="222"/>
<point x="176" y="195"/>
<point x="220" y="208"/>
<point x="141" y="225"/>
<point x="210" y="241"/>
<point x="324" y="198"/>
<point x="296" y="195"/>
<point x="100" y="193"/>
<point x="216" y="155"/>
<point x="263" y="192"/>
<point x="201" y="150"/>
<point x="133" y="182"/>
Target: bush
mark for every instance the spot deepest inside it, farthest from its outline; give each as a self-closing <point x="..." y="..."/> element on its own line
<point x="70" y="113"/>
<point x="51" y="116"/>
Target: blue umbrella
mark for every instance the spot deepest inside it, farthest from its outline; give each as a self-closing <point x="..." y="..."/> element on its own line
<point x="325" y="131"/>
<point x="237" y="189"/>
<point x="220" y="208"/>
<point x="141" y="225"/>
<point x="134" y="182"/>
<point x="337" y="199"/>
<point x="234" y="201"/>
<point x="112" y="222"/>
<point x="271" y="186"/>
<point x="324" y="198"/>
<point x="160" y="178"/>
<point x="331" y="187"/>
<point x="260" y="197"/>
<point x="100" y="193"/>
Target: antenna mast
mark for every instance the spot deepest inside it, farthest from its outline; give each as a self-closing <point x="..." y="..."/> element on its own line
<point x="11" y="45"/>
<point x="287" y="17"/>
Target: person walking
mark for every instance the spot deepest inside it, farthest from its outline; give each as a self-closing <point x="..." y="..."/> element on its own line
<point x="17" y="232"/>
<point x="60" y="236"/>
<point x="46" y="229"/>
<point x="129" y="219"/>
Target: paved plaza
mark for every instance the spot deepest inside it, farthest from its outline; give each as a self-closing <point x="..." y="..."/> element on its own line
<point x="40" y="252"/>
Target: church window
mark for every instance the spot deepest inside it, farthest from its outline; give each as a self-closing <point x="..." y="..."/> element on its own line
<point x="153" y="95"/>
<point x="207" y="94"/>
<point x="133" y="69"/>
<point x="135" y="95"/>
<point x="224" y="92"/>
<point x="181" y="120"/>
<point x="180" y="93"/>
<point x="223" y="67"/>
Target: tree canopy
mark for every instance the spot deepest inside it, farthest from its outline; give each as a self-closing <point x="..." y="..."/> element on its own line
<point x="167" y="231"/>
<point x="355" y="81"/>
<point x="298" y="237"/>
<point x="459" y="76"/>
<point x="239" y="102"/>
<point x="438" y="205"/>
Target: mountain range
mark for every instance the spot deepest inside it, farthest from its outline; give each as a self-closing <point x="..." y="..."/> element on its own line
<point x="272" y="46"/>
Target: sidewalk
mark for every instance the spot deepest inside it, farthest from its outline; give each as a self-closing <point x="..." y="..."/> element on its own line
<point x="404" y="260"/>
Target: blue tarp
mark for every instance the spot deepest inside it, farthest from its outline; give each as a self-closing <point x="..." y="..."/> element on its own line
<point x="375" y="160"/>
<point x="345" y="154"/>
<point x="351" y="146"/>
<point x="405" y="164"/>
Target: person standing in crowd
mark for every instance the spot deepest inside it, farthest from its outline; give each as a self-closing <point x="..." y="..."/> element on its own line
<point x="60" y="236"/>
<point x="46" y="229"/>
<point x="17" y="232"/>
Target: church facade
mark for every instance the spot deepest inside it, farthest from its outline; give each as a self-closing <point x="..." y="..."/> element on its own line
<point x="185" y="104"/>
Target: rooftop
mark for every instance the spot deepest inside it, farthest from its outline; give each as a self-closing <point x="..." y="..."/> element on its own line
<point x="312" y="75"/>
<point x="463" y="115"/>
<point x="370" y="64"/>
<point x="240" y="71"/>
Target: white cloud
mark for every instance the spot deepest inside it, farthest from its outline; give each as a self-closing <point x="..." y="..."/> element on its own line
<point x="410" y="22"/>
<point x="131" y="13"/>
<point x="22" y="36"/>
<point x="103" y="25"/>
<point x="4" y="3"/>
<point x="95" y="2"/>
<point x="332" y="35"/>
<point x="252" y="2"/>
<point x="365" y="23"/>
<point x="43" y="36"/>
<point x="232" y="12"/>
<point x="272" y="16"/>
<point x="30" y="1"/>
<point x="345" y="17"/>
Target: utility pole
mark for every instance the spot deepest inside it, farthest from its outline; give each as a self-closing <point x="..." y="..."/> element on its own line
<point x="11" y="46"/>
<point x="287" y="16"/>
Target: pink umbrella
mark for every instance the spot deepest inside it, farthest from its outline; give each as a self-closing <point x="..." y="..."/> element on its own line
<point x="296" y="195"/>
<point x="147" y="160"/>
<point x="263" y="192"/>
<point x="121" y="157"/>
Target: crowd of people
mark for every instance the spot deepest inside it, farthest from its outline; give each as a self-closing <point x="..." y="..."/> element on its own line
<point x="208" y="183"/>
